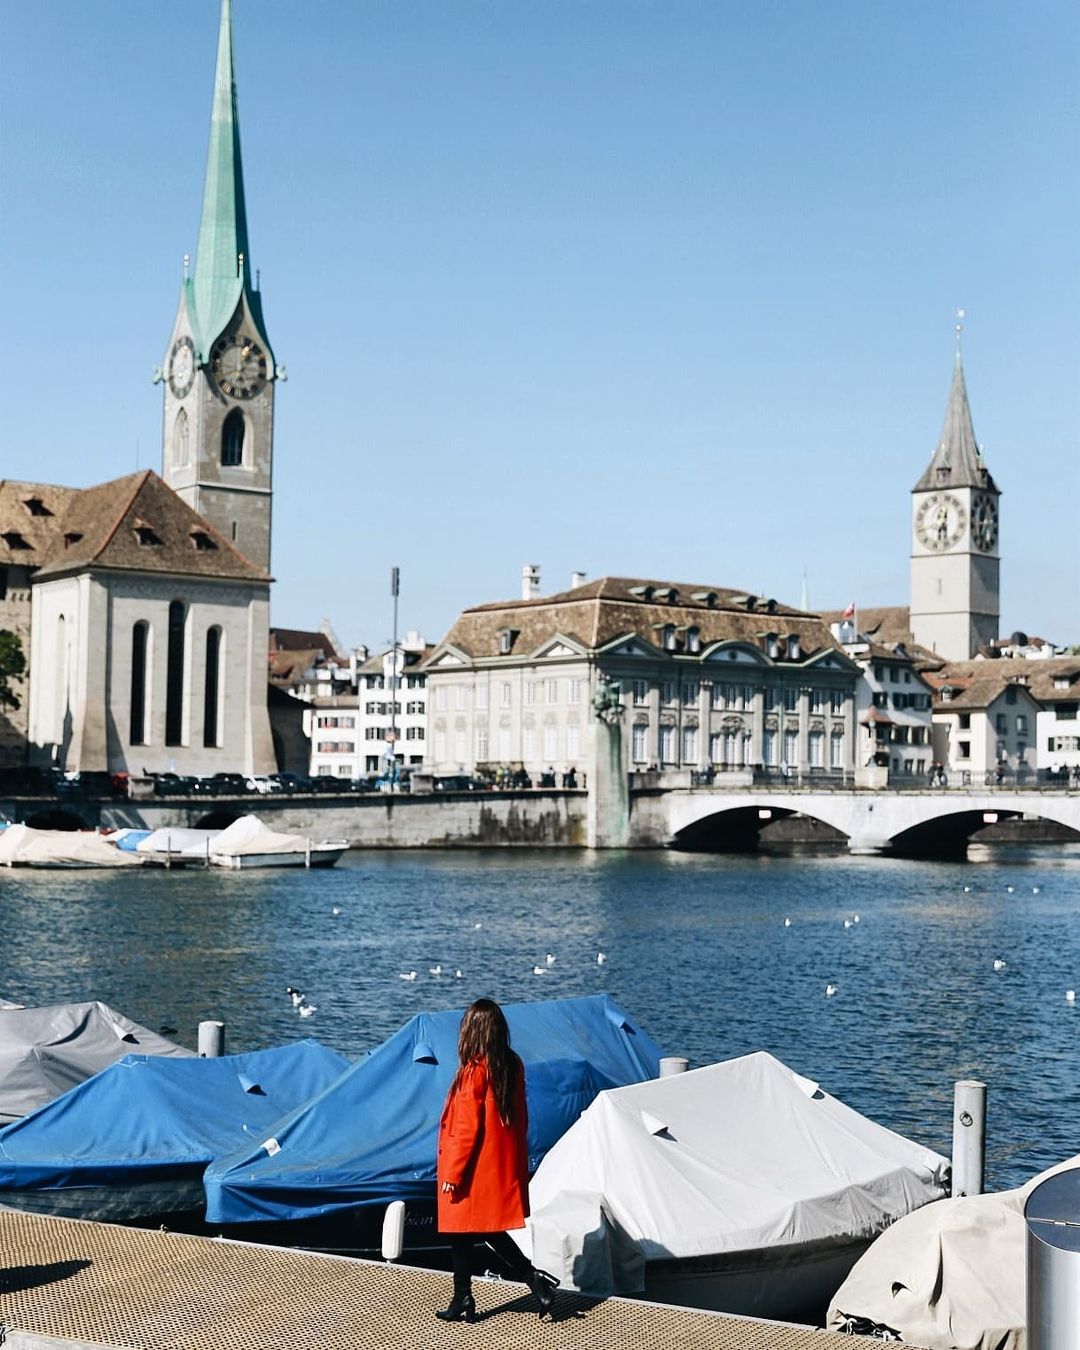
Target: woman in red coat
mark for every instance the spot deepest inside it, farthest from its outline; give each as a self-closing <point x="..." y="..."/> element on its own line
<point x="483" y="1169"/>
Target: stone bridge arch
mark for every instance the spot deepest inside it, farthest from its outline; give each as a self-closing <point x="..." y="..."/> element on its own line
<point x="737" y="825"/>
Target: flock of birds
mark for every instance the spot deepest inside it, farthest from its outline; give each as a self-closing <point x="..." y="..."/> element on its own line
<point x="300" y="1003"/>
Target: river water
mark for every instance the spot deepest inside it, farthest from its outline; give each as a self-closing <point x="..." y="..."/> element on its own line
<point x="696" y="946"/>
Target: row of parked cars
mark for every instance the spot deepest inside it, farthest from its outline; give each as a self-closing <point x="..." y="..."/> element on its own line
<point x="262" y="784"/>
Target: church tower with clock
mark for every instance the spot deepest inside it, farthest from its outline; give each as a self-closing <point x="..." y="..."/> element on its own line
<point x="955" y="586"/>
<point x="219" y="371"/>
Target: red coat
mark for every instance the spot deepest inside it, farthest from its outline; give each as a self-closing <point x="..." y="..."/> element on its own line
<point x="486" y="1159"/>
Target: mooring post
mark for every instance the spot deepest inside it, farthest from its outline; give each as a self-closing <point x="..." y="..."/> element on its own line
<point x="307" y="850"/>
<point x="1053" y="1262"/>
<point x="672" y="1064"/>
<point x="969" y="1137"/>
<point x="211" y="1040"/>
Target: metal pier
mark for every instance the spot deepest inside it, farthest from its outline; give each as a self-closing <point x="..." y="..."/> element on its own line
<point x="66" y="1283"/>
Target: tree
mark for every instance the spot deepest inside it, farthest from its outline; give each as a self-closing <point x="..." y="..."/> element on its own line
<point x="12" y="667"/>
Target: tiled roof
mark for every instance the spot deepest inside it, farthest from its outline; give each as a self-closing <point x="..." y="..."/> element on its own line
<point x="374" y="664"/>
<point x="139" y="524"/>
<point x="956" y="461"/>
<point x="611" y="607"/>
<point x="985" y="680"/>
<point x="31" y="516"/>
<point x="302" y="640"/>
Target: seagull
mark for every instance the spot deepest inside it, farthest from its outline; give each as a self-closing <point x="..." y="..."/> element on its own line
<point x="458" y="975"/>
<point x="296" y="996"/>
<point x="541" y="970"/>
<point x="1035" y="890"/>
<point x="966" y="889"/>
<point x="308" y="1010"/>
<point x="787" y="923"/>
<point x="476" y="926"/>
<point x="847" y="923"/>
<point x="1010" y="889"/>
<point x="1070" y="995"/>
<point x="435" y="970"/>
<point x="854" y="918"/>
<point x="830" y="989"/>
<point x="600" y="958"/>
<point x="549" y="959"/>
<point x="999" y="964"/>
<point x="407" y="975"/>
<point x="336" y="910"/>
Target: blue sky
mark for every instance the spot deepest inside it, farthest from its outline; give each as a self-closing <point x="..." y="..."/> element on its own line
<point x="632" y="288"/>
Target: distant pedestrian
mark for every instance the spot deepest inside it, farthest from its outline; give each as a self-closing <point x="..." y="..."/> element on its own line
<point x="483" y="1165"/>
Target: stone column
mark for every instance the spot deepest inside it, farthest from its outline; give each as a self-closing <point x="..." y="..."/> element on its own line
<point x="608" y="807"/>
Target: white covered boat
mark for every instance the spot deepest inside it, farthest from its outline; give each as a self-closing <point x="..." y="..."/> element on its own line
<point x="23" y="846"/>
<point x="741" y="1187"/>
<point x="247" y="842"/>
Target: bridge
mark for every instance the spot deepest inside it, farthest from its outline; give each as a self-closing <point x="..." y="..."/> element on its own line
<point x="912" y="821"/>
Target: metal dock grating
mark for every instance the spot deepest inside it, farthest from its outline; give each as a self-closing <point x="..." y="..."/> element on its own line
<point x="91" y="1284"/>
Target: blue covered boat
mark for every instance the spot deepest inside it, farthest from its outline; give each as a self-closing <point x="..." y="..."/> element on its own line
<point x="371" y="1137"/>
<point x="132" y="1141"/>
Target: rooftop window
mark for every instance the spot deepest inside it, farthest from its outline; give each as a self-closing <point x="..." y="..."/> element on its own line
<point x="202" y="541"/>
<point x="36" y="506"/>
<point x="14" y="539"/>
<point x="148" y="537"/>
<point x="72" y="537"/>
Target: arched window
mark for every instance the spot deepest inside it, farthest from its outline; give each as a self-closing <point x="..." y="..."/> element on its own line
<point x="181" y="437"/>
<point x="174" y="675"/>
<point x="137" y="734"/>
<point x="212" y="688"/>
<point x="232" y="439"/>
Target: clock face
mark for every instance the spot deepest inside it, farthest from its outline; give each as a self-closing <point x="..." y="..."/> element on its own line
<point x="984" y="523"/>
<point x="238" y="365"/>
<point x="181" y="366"/>
<point x="940" y="521"/>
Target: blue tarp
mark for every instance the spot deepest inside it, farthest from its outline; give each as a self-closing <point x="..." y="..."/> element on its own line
<point x="146" y="1117"/>
<point x="371" y="1137"/>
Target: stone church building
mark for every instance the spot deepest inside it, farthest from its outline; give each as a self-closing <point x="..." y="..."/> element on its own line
<point x="143" y="603"/>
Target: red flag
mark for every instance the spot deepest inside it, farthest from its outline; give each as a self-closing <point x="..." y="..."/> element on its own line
<point x="849" y="613"/>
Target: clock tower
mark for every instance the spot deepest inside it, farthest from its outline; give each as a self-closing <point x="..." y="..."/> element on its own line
<point x="955" y="587"/>
<point x="219" y="370"/>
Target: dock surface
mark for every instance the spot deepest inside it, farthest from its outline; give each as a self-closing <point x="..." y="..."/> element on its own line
<point x="69" y="1283"/>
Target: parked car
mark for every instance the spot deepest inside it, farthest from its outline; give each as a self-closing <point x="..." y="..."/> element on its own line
<point x="328" y="782"/>
<point x="265" y="784"/>
<point x="291" y="782"/>
<point x="227" y="784"/>
<point x="458" y="782"/>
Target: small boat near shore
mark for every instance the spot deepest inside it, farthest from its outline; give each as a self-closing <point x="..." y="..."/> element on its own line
<point x="24" y="846"/>
<point x="740" y="1187"/>
<point x="246" y="843"/>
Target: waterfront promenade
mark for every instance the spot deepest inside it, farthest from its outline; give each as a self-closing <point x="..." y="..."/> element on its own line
<point x="89" y="1286"/>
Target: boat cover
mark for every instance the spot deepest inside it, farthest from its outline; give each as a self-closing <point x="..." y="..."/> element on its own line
<point x="147" y="1118"/>
<point x="248" y="835"/>
<point x="733" y="1157"/>
<point x="182" y="843"/>
<point x="23" y="846"/>
<point x="952" y="1275"/>
<point x="46" y="1051"/>
<point x="371" y="1137"/>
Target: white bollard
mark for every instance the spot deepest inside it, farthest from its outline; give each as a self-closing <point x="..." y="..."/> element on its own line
<point x="969" y="1137"/>
<point x="1053" y="1263"/>
<point x="211" y="1040"/>
<point x="393" y="1230"/>
<point x="672" y="1064"/>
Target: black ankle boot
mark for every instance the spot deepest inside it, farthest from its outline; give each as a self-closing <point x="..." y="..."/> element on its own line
<point x="543" y="1286"/>
<point x="462" y="1309"/>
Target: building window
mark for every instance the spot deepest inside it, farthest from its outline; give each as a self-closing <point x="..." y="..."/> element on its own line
<point x="729" y="749"/>
<point x="573" y="743"/>
<point x="639" y="736"/>
<point x="668" y="691"/>
<point x="817" y="749"/>
<point x="461" y="746"/>
<point x="965" y="721"/>
<point x="836" y="702"/>
<point x="528" y="744"/>
<point x="791" y="747"/>
<point x="667" y="745"/>
<point x="416" y="707"/>
<point x="481" y="697"/>
<point x="669" y="637"/>
<point x="963" y="750"/>
<point x="530" y="693"/>
<point x="504" y="744"/>
<point x="1000" y="723"/>
<point x="481" y="745"/>
<point x="139" y="642"/>
<point x="414" y="733"/>
<point x="1021" y="724"/>
<point x="689" y="693"/>
<point x="174" y="675"/>
<point x="440" y="746"/>
<point x="719" y="696"/>
<point x="505" y="694"/>
<point x="551" y="691"/>
<point x="573" y="690"/>
<point x="181" y="438"/>
<point x="693" y="640"/>
<point x="641" y="692"/>
<point x="1021" y="752"/>
<point x="768" y="746"/>
<point x="551" y="743"/>
<point x="211" y="687"/>
<point x="461" y="698"/>
<point x="791" y="700"/>
<point x="232" y="439"/>
<point x="836" y="749"/>
<point x="440" y="697"/>
<point x="817" y="701"/>
<point x="689" y="745"/>
<point x="1010" y="695"/>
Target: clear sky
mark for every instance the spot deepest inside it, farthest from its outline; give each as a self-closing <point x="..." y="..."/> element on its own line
<point x="646" y="289"/>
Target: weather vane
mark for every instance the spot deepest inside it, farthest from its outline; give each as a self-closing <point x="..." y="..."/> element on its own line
<point x="959" y="329"/>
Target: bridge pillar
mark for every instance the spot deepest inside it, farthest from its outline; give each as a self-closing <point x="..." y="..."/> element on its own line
<point x="608" y="811"/>
<point x="868" y="845"/>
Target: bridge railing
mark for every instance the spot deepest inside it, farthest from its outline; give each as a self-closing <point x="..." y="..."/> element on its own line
<point x="829" y="780"/>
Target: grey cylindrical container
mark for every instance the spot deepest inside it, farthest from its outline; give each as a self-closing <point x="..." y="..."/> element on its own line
<point x="671" y="1064"/>
<point x="211" y="1040"/>
<point x="1052" y="1213"/>
<point x="969" y="1137"/>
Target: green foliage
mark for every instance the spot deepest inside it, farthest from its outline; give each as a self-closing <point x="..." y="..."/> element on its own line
<point x="12" y="667"/>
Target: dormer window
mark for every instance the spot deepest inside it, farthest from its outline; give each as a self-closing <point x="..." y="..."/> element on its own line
<point x="667" y="595"/>
<point x="749" y="603"/>
<point x="946" y="694"/>
<point x="36" y="506"/>
<point x="202" y="541"/>
<point x="668" y="637"/>
<point x="146" y="534"/>
<point x="705" y="598"/>
<point x="693" y="639"/>
<point x="642" y="592"/>
<point x="772" y="646"/>
<point x="1061" y="681"/>
<point x="506" y="640"/>
<point x="71" y="537"/>
<point x="15" y="540"/>
<point x="794" y="647"/>
<point x="770" y="606"/>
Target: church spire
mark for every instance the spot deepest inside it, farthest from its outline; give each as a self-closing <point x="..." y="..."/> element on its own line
<point x="956" y="462"/>
<point x="222" y="272"/>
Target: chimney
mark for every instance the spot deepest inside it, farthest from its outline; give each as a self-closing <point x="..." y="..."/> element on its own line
<point x="576" y="579"/>
<point x="530" y="581"/>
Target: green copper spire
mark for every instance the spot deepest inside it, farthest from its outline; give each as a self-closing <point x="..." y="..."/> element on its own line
<point x="222" y="272"/>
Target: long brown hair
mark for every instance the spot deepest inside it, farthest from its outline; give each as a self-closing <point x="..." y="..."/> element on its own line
<point x="485" y="1035"/>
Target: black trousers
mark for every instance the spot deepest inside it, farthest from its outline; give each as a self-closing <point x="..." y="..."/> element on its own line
<point x="505" y="1248"/>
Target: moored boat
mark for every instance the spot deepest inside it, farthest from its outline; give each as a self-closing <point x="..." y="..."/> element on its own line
<point x="24" y="846"/>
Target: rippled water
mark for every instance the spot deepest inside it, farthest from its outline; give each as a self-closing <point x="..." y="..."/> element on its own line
<point x="696" y="948"/>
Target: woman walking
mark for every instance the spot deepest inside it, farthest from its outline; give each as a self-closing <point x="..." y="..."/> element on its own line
<point x="483" y="1168"/>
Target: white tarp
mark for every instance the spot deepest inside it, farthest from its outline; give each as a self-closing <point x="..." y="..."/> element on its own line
<point x="21" y="846"/>
<point x="249" y="835"/>
<point x="733" y="1157"/>
<point x="181" y="843"/>
<point x="45" y="1051"/>
<point x="952" y="1277"/>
